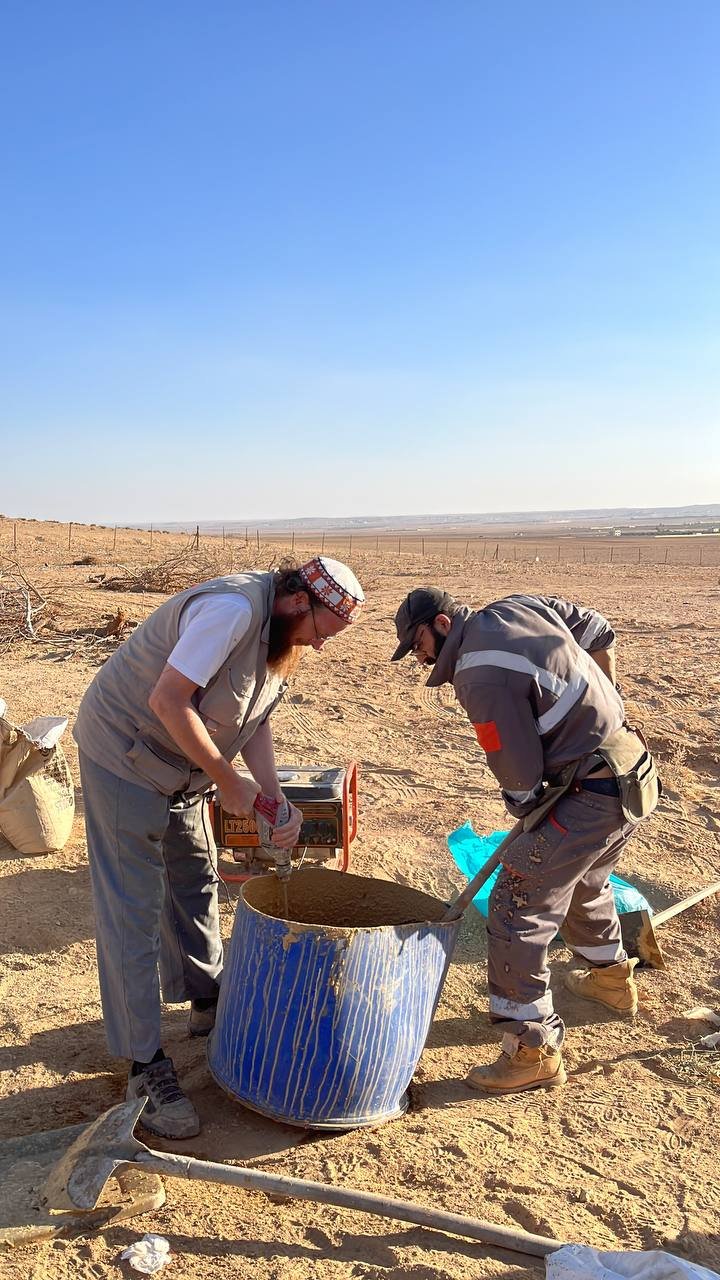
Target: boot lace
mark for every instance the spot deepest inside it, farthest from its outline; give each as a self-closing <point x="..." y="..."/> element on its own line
<point x="161" y="1083"/>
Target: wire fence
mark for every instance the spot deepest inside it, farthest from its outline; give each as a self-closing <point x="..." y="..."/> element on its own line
<point x="681" y="550"/>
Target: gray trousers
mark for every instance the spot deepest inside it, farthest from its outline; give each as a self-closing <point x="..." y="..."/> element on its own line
<point x="154" y="886"/>
<point x="554" y="878"/>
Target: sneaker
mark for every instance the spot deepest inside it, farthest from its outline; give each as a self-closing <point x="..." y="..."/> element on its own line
<point x="167" y="1111"/>
<point x="614" y="986"/>
<point x="525" y="1068"/>
<point x="202" y="1020"/>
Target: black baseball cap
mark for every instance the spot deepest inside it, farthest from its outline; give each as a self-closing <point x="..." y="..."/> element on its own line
<point x="422" y="605"/>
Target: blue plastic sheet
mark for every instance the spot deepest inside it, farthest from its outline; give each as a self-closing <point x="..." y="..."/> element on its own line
<point x="470" y="851"/>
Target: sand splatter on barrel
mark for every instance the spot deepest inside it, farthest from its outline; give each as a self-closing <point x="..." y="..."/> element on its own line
<point x="323" y="1016"/>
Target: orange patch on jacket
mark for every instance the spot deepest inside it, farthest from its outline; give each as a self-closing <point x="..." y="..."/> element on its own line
<point x="488" y="736"/>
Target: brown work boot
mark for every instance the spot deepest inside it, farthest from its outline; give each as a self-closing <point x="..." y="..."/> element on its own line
<point x="614" y="986"/>
<point x="519" y="1068"/>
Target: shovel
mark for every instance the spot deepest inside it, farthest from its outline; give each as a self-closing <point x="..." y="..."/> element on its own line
<point x="107" y="1146"/>
<point x="638" y="927"/>
<point x="462" y="900"/>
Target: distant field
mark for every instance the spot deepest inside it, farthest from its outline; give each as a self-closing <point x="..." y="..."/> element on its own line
<point x="29" y="538"/>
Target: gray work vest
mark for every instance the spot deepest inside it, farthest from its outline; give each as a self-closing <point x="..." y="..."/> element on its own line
<point x="115" y="726"/>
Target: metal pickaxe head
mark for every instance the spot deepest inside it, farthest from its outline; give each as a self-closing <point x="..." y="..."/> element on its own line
<point x="78" y="1178"/>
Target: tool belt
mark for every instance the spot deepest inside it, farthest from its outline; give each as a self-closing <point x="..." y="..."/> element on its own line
<point x="626" y="754"/>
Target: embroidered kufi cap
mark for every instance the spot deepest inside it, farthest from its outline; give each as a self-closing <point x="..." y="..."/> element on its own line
<point x="335" y="586"/>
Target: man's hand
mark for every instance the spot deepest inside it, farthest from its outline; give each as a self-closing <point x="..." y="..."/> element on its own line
<point x="237" y="795"/>
<point x="286" y="837"/>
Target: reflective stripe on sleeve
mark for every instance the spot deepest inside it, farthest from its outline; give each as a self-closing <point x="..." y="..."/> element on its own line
<point x="567" y="692"/>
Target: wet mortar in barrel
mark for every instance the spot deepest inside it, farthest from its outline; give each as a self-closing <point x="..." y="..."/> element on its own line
<point x="341" y="901"/>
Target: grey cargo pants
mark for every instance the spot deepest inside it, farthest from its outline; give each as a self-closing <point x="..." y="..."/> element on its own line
<point x="154" y="886"/>
<point x="554" y="878"/>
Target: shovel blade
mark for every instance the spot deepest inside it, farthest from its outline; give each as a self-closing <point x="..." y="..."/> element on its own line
<point x="639" y="938"/>
<point x="78" y="1178"/>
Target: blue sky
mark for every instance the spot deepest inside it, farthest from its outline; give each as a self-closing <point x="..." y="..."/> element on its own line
<point x="314" y="258"/>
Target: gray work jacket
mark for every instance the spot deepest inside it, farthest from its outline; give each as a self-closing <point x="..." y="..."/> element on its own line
<point x="521" y="670"/>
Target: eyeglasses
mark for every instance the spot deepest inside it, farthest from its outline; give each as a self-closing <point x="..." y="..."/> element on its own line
<point x="417" y="645"/>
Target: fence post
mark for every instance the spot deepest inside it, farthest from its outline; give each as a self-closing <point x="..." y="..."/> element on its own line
<point x="701" y="551"/>
<point x="246" y="534"/>
<point x="151" y="535"/>
<point x="292" y="546"/>
<point x="467" y="545"/>
<point x="257" y="538"/>
<point x="583" y="553"/>
<point x="377" y="543"/>
<point x="639" y="549"/>
<point x="197" y="537"/>
<point x="223" y="535"/>
<point x="322" y="545"/>
<point x="70" y="534"/>
<point x="422" y="540"/>
<point x="484" y="548"/>
<point x="497" y="551"/>
<point x="115" y="538"/>
<point x="399" y="541"/>
<point x="558" y="555"/>
<point x="611" y="552"/>
<point x="666" y="554"/>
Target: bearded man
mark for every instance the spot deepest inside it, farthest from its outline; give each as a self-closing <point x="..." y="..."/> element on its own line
<point x="191" y="688"/>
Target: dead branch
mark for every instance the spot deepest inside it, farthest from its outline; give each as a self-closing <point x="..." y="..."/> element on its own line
<point x="186" y="568"/>
<point x="20" y="604"/>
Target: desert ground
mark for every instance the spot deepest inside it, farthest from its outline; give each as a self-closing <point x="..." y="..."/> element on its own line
<point x="626" y="1156"/>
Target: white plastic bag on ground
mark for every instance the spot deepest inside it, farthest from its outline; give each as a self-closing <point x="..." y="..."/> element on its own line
<point x="580" y="1262"/>
<point x="37" y="798"/>
<point x="150" y="1254"/>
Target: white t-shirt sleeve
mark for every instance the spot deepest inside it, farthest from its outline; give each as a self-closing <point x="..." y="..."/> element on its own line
<point x="210" y="628"/>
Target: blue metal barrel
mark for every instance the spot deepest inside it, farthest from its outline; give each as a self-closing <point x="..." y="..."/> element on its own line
<point x="322" y="1017"/>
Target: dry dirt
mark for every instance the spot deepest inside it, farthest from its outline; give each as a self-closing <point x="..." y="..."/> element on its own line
<point x="624" y="1157"/>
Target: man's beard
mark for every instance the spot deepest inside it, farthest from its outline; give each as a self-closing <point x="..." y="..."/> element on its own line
<point x="439" y="639"/>
<point x="283" y="653"/>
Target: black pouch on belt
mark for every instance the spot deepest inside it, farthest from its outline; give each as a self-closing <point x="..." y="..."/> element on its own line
<point x="625" y="753"/>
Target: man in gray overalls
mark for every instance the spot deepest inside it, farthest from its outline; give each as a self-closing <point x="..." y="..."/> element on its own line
<point x="191" y="688"/>
<point x="536" y="676"/>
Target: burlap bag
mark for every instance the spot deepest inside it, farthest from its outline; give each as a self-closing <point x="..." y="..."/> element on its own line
<point x="37" y="798"/>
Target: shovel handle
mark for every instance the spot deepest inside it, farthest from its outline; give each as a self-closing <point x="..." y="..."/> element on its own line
<point x="661" y="916"/>
<point x="177" y="1166"/>
<point x="463" y="899"/>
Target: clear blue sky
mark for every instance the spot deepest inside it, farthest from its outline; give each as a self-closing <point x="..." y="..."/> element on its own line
<point x="315" y="257"/>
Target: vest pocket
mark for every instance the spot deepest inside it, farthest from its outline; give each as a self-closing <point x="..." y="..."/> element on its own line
<point x="167" y="772"/>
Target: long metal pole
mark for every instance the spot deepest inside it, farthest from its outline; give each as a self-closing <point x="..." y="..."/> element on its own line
<point x="177" y="1166"/>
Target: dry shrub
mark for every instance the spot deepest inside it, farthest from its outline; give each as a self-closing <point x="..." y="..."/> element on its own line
<point x="187" y="567"/>
<point x="89" y="559"/>
<point x="21" y="604"/>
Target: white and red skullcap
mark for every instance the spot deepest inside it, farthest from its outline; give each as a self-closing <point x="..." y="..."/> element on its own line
<point x="335" y="586"/>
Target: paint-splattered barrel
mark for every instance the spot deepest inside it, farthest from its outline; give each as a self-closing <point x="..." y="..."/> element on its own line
<point x="323" y="1016"/>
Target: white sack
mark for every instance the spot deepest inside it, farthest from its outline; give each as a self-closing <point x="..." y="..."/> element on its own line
<point x="580" y="1262"/>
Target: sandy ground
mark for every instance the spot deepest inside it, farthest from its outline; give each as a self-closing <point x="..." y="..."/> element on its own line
<point x="624" y="1157"/>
